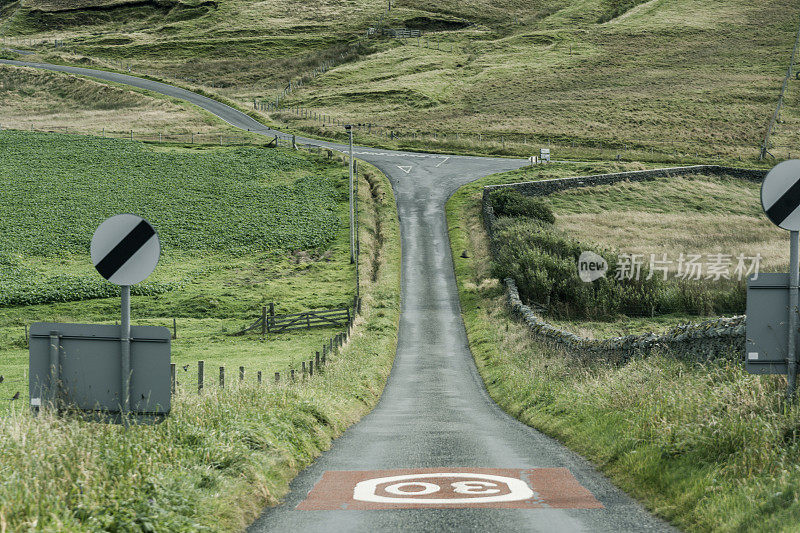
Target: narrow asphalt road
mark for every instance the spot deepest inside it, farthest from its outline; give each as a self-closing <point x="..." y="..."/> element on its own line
<point x="435" y="420"/>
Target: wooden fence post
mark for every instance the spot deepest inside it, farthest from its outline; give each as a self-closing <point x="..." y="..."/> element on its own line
<point x="304" y="368"/>
<point x="263" y="321"/>
<point x="324" y="353"/>
<point x="200" y="377"/>
<point x="311" y="368"/>
<point x="277" y="377"/>
<point x="291" y="374"/>
<point x="241" y="374"/>
<point x="172" y="377"/>
<point x="271" y="314"/>
<point x="259" y="377"/>
<point x="174" y="328"/>
<point x="222" y="377"/>
<point x="316" y="359"/>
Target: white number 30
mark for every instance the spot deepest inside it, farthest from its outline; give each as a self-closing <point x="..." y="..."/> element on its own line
<point x="474" y="487"/>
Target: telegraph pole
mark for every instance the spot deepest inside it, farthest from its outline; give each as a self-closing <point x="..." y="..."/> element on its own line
<point x="349" y="129"/>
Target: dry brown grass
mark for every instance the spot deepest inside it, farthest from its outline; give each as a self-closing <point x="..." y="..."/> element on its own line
<point x="53" y="100"/>
<point x="689" y="215"/>
<point x="66" y="5"/>
<point x="641" y="232"/>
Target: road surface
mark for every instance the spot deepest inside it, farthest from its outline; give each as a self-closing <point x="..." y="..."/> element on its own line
<point x="435" y="434"/>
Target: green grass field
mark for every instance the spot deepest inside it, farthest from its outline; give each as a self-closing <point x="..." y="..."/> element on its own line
<point x="679" y="80"/>
<point x="706" y="446"/>
<point x="240" y="227"/>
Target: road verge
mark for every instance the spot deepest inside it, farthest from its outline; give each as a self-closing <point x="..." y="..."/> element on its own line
<point x="705" y="446"/>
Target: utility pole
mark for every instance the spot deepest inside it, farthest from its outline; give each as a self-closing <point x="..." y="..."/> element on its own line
<point x="349" y="129"/>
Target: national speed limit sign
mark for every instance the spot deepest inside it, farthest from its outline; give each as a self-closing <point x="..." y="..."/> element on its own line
<point x="125" y="249"/>
<point x="780" y="195"/>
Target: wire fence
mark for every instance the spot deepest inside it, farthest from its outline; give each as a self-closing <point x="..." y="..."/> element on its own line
<point x="302" y="369"/>
<point x="508" y="143"/>
<point x="765" y="146"/>
<point x="201" y="138"/>
<point x="500" y="142"/>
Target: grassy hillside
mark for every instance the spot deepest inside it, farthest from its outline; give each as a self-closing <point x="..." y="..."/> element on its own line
<point x="706" y="446"/>
<point x="681" y="78"/>
<point x="49" y="100"/>
<point x="693" y="77"/>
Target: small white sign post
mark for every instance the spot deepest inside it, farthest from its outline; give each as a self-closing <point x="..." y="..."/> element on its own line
<point x="544" y="155"/>
<point x="780" y="198"/>
<point x="125" y="250"/>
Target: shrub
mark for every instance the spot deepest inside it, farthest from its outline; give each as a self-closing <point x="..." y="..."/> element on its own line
<point x="511" y="203"/>
<point x="543" y="262"/>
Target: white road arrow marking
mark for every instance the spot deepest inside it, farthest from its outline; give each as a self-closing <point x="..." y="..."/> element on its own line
<point x="442" y="161"/>
<point x="405" y="169"/>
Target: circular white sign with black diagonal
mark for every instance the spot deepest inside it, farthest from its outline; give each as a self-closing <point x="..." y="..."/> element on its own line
<point x="780" y="195"/>
<point x="125" y="249"/>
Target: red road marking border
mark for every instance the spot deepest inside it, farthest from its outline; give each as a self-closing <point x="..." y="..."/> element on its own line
<point x="554" y="488"/>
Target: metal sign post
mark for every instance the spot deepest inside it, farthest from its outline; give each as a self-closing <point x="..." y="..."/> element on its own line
<point x="794" y="279"/>
<point x="125" y="349"/>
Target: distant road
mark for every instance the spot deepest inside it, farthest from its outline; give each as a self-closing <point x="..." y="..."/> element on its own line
<point x="23" y="52"/>
<point x="435" y="433"/>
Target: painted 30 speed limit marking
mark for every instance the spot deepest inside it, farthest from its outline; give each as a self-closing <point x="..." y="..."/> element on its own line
<point x="442" y="488"/>
<point x="449" y="488"/>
